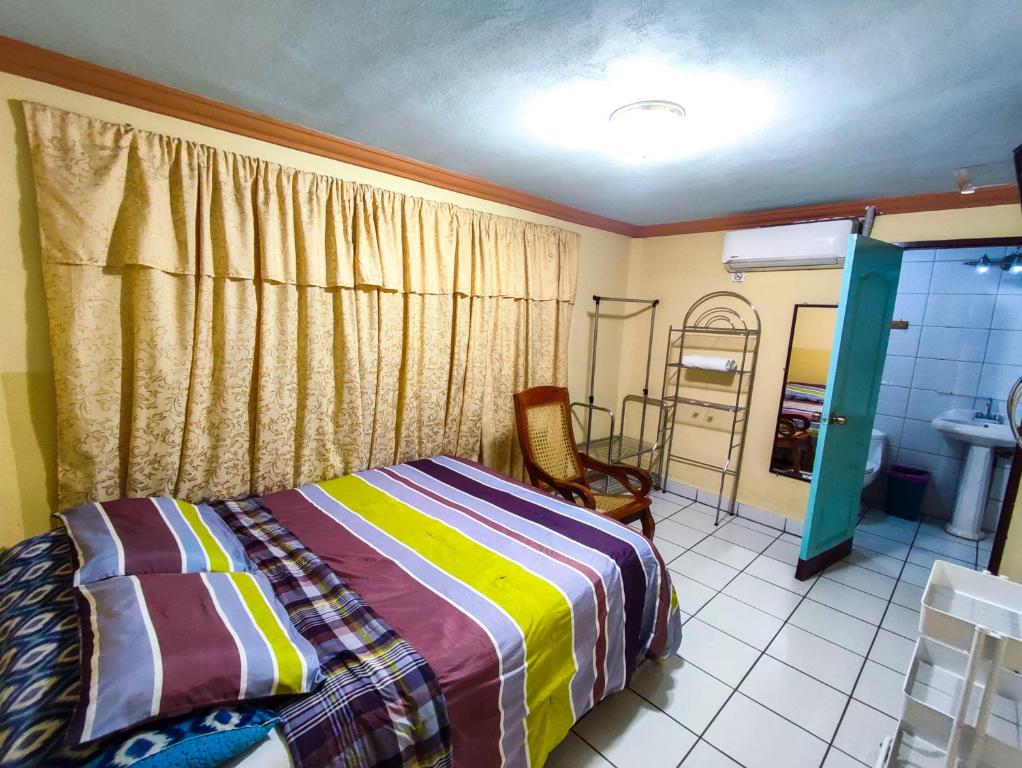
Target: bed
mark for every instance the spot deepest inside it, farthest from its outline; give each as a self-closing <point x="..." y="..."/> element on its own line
<point x="529" y="610"/>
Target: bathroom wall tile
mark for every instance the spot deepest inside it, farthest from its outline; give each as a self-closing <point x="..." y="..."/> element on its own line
<point x="959" y="311"/>
<point x="999" y="480"/>
<point x="1011" y="282"/>
<point x="892" y="400"/>
<point x="921" y="436"/>
<point x="952" y="376"/>
<point x="918" y="254"/>
<point x="953" y="343"/>
<point x="924" y="404"/>
<point x="904" y="342"/>
<point x="915" y="277"/>
<point x="898" y="370"/>
<point x="1008" y="312"/>
<point x="910" y="307"/>
<point x="996" y="380"/>
<point x="943" y="469"/>
<point x="955" y="277"/>
<point x="1004" y="347"/>
<point x="891" y="426"/>
<point x="939" y="500"/>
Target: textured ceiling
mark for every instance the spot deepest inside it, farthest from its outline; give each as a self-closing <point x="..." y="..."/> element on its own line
<point x="789" y="102"/>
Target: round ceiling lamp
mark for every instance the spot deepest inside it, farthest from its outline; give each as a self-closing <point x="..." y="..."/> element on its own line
<point x="648" y="130"/>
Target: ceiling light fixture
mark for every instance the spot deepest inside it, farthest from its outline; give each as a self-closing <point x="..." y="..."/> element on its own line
<point x="1012" y="264"/>
<point x="982" y="265"/>
<point x="648" y="130"/>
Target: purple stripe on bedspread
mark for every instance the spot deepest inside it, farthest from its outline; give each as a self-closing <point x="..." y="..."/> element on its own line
<point x="633" y="577"/>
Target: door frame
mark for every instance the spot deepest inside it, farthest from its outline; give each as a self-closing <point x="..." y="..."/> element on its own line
<point x="1015" y="468"/>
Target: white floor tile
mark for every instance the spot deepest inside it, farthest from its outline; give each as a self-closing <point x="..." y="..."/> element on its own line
<point x="854" y="602"/>
<point x="785" y="551"/>
<point x="694" y="517"/>
<point x="763" y="595"/>
<point x="896" y="549"/>
<point x="917" y="575"/>
<point x="756" y="526"/>
<point x="661" y="506"/>
<point x="725" y="552"/>
<point x="779" y="573"/>
<point x="682" y="690"/>
<point x="748" y="624"/>
<point x="705" y="756"/>
<point x="926" y="558"/>
<point x="902" y="621"/>
<point x="874" y="561"/>
<point x="947" y="545"/>
<point x="838" y="759"/>
<point x="893" y="651"/>
<point x="908" y="595"/>
<point x="632" y="733"/>
<point x="704" y="570"/>
<point x="862" y="579"/>
<point x="759" y="738"/>
<point x="715" y="652"/>
<point x="881" y="688"/>
<point x="691" y="594"/>
<point x="796" y="696"/>
<point x="575" y="753"/>
<point x="888" y="529"/>
<point x="847" y="631"/>
<point x="679" y="534"/>
<point x="861" y="731"/>
<point x="745" y="537"/>
<point x="668" y="550"/>
<point x="819" y="658"/>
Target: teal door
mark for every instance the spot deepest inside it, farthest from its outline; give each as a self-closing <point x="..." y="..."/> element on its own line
<point x="869" y="287"/>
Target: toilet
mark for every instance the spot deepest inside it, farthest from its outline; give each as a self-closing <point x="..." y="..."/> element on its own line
<point x="875" y="457"/>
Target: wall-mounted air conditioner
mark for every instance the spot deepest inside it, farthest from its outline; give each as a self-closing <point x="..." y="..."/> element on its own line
<point x="818" y="245"/>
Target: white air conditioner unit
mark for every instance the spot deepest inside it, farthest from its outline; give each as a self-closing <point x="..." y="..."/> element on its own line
<point x="818" y="245"/>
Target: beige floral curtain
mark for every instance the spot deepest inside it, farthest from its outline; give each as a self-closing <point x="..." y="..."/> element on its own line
<point x="221" y="324"/>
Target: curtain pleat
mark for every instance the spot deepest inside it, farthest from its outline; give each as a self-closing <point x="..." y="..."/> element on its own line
<point x="223" y="325"/>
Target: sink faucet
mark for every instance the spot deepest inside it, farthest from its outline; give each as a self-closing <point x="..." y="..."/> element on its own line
<point x="989" y="414"/>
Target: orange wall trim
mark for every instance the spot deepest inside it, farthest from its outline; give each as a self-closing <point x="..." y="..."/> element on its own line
<point x="24" y="60"/>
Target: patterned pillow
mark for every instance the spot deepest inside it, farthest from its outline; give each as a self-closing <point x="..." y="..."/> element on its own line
<point x="129" y="537"/>
<point x="160" y="645"/>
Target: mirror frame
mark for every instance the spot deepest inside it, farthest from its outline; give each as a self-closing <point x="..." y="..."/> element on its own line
<point x="784" y="382"/>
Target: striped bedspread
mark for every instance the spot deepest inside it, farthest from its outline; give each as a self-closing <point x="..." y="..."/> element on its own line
<point x="529" y="610"/>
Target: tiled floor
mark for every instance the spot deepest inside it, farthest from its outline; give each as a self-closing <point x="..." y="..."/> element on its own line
<point x="772" y="672"/>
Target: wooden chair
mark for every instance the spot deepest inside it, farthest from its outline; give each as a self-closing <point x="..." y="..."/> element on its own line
<point x="554" y="463"/>
<point x="793" y="437"/>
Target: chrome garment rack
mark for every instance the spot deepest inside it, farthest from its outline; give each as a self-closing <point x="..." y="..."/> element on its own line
<point x="719" y="316"/>
<point x="618" y="446"/>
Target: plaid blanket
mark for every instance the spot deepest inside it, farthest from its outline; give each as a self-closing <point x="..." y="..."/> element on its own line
<point x="381" y="705"/>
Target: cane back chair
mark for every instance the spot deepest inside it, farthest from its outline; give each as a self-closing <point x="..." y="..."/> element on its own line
<point x="554" y="463"/>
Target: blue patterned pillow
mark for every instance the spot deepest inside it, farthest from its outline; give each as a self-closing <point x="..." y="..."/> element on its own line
<point x="194" y="741"/>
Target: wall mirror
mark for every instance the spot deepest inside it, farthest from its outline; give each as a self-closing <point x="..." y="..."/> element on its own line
<point x="805" y="381"/>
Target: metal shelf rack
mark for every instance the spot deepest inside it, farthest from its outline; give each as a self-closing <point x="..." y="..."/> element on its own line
<point x="716" y="316"/>
<point x="618" y="446"/>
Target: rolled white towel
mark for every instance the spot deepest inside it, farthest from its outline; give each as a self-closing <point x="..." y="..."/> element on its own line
<point x="710" y="363"/>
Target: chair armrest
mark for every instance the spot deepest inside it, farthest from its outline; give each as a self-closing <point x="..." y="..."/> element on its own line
<point x="567" y="489"/>
<point x="622" y="472"/>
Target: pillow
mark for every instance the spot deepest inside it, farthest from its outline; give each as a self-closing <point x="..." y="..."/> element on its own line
<point x="151" y="535"/>
<point x="196" y="741"/>
<point x="160" y="645"/>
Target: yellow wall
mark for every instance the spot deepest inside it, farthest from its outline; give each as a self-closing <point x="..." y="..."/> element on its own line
<point x="27" y="422"/>
<point x="1011" y="558"/>
<point x="811" y="343"/>
<point x="681" y="268"/>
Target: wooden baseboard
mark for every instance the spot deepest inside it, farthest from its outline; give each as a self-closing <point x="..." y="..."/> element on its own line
<point x="806" y="569"/>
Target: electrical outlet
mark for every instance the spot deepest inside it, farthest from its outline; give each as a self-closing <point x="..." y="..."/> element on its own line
<point x="737" y="277"/>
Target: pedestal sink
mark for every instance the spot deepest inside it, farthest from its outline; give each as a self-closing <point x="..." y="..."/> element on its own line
<point x="983" y="437"/>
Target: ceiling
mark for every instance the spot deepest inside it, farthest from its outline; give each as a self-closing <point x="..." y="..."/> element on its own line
<point x="789" y="102"/>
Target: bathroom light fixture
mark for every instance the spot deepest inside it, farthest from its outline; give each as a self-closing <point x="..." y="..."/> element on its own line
<point x="1012" y="264"/>
<point x="648" y="129"/>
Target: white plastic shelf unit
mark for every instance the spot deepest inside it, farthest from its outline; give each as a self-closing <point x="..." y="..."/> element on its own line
<point x="963" y="690"/>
